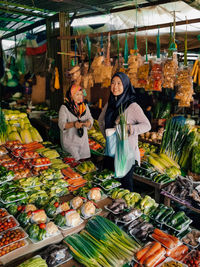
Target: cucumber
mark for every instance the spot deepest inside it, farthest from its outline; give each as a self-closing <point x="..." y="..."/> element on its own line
<point x="168" y="212"/>
<point x="161" y="212"/>
<point x="157" y="210"/>
<point x="182" y="223"/>
<point x="175" y="217"/>
<point x="161" y="178"/>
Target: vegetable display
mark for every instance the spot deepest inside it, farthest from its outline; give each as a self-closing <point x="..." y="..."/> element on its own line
<point x="85" y="167"/>
<point x="101" y="244"/>
<point x="7" y="223"/>
<point x="174" y="138"/>
<point x="150" y="254"/>
<point x="34" y="262"/>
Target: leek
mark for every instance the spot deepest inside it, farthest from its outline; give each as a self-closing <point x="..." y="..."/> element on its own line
<point x="102" y="243"/>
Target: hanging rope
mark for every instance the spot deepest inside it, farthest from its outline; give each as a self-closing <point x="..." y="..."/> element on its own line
<point x="185" y="51"/>
<point x="126" y="52"/>
<point x="158" y="44"/>
<point x="89" y="49"/>
<point x="118" y="48"/>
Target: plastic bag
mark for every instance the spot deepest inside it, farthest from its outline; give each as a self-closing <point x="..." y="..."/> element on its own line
<point x="124" y="157"/>
<point x="110" y="142"/>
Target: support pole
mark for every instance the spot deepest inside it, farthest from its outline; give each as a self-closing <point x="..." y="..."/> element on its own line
<point x="65" y="47"/>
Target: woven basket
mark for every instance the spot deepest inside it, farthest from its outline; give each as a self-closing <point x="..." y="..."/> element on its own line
<point x="195" y="176"/>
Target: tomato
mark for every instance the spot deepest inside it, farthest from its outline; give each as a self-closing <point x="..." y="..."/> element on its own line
<point x="56" y="204"/>
<point x="19" y="208"/>
<point x="29" y="213"/>
<point x="63" y="213"/>
<point x="42" y="225"/>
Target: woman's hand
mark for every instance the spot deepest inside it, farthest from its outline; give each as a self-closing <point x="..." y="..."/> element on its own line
<point x="87" y="123"/>
<point x="78" y="124"/>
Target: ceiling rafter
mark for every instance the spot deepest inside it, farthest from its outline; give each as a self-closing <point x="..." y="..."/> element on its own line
<point x="126" y="8"/>
<point x="6" y="3"/>
<point x="16" y="20"/>
<point x="21" y="12"/>
<point x="93" y="7"/>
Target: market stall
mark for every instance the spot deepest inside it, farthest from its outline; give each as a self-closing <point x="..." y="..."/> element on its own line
<point x="59" y="211"/>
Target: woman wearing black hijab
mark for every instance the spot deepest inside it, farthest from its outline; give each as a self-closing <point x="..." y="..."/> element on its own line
<point x="123" y="95"/>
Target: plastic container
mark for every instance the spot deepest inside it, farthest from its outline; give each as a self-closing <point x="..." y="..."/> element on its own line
<point x="97" y="211"/>
<point x="3" y="213"/>
<point x="70" y="227"/>
<point x="34" y="241"/>
<point x="7" y="220"/>
<point x="187" y="244"/>
<point x="108" y="189"/>
<point x="12" y="247"/>
<point x="179" y="243"/>
<point x="168" y="259"/>
<point x="13" y="200"/>
<point x="10" y="232"/>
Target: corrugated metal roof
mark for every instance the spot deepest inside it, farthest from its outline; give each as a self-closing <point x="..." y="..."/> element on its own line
<point x="16" y="14"/>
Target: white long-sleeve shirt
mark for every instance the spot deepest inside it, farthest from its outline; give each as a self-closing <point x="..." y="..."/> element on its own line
<point x="138" y="124"/>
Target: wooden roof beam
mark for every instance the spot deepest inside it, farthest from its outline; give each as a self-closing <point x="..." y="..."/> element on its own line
<point x="143" y="28"/>
<point x="93" y="7"/>
<point x="130" y="7"/>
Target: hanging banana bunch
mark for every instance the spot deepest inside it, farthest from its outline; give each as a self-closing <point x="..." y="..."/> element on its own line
<point x="196" y="72"/>
<point x="3" y="128"/>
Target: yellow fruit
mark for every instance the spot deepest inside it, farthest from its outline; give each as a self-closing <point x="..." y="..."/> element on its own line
<point x="14" y="136"/>
<point x="26" y="136"/>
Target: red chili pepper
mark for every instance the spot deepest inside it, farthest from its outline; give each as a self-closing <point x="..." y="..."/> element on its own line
<point x="42" y="225"/>
<point x="19" y="208"/>
<point x="36" y="211"/>
<point x="56" y="204"/>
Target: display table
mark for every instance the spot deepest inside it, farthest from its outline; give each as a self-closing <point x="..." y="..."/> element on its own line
<point x="168" y="198"/>
<point x="157" y="187"/>
<point x="18" y="256"/>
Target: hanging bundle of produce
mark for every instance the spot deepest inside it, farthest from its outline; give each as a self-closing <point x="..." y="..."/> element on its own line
<point x="196" y="71"/>
<point x="174" y="138"/>
<point x="107" y="68"/>
<point x="56" y="81"/>
<point x="169" y="71"/>
<point x="185" y="91"/>
<point x="102" y="243"/>
<point x="134" y="63"/>
<point x="3" y="128"/>
<point x="96" y="68"/>
<point x="155" y="80"/>
<point x="87" y="78"/>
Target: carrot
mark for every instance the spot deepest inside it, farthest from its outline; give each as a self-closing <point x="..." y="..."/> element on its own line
<point x="156" y="246"/>
<point x="160" y="233"/>
<point x="160" y="260"/>
<point x="175" y="239"/>
<point x="166" y="241"/>
<point x="141" y="252"/>
<point x="151" y="260"/>
<point x="179" y="251"/>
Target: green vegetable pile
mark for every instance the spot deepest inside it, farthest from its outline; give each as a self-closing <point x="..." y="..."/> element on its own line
<point x="34" y="262"/>
<point x="102" y="243"/>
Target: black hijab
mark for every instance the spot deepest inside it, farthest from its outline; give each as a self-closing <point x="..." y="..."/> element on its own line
<point x="115" y="103"/>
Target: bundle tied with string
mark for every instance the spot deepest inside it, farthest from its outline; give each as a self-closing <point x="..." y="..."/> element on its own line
<point x="97" y="67"/>
<point x="134" y="62"/>
<point x="185" y="90"/>
<point x="87" y="78"/>
<point x="107" y="68"/>
<point x="170" y="69"/>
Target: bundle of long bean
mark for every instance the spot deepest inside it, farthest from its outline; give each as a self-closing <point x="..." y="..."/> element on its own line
<point x="174" y="137"/>
<point x="3" y="128"/>
<point x="102" y="244"/>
